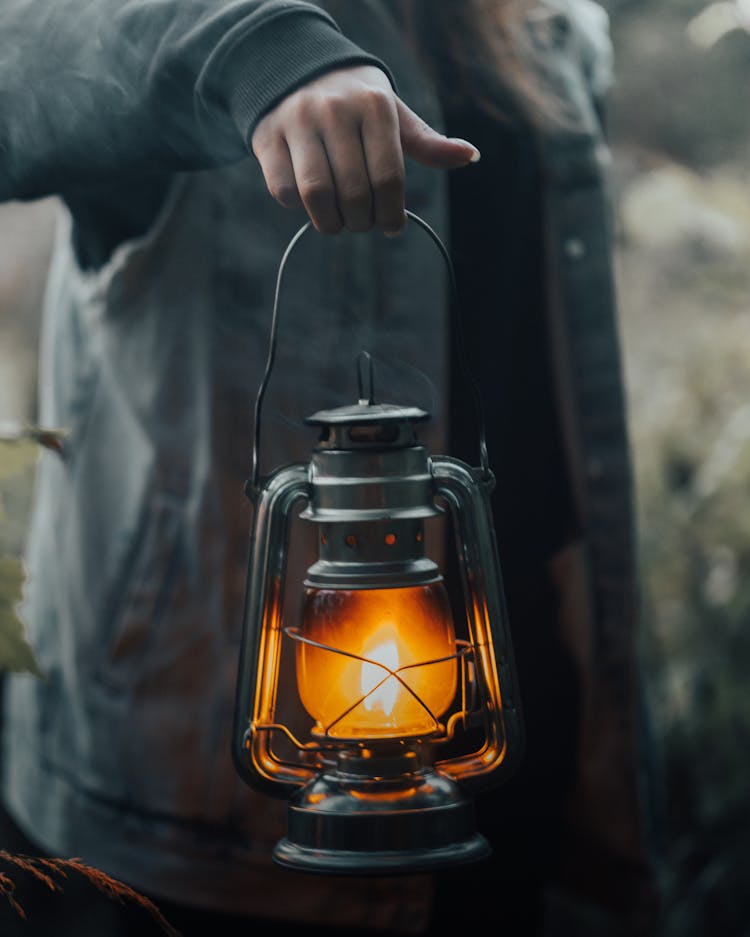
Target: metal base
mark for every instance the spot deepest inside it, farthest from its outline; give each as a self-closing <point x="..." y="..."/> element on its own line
<point x="348" y="862"/>
<point x="379" y="816"/>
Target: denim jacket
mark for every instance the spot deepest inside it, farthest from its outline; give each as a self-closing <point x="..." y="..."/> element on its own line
<point x="138" y="546"/>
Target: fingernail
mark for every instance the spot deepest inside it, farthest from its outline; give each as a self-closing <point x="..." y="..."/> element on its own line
<point x="392" y="234"/>
<point x="475" y="156"/>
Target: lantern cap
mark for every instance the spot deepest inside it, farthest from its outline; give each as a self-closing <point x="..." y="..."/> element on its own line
<point x="366" y="412"/>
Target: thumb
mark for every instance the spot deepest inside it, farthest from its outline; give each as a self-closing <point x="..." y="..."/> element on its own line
<point x="429" y="147"/>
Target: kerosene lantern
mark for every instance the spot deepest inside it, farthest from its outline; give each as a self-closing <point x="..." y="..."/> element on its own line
<point x="410" y="709"/>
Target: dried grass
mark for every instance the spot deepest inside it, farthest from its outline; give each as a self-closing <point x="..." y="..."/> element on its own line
<point x="52" y="872"/>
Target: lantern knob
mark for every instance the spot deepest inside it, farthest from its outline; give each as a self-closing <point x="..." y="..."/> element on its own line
<point x="366" y="423"/>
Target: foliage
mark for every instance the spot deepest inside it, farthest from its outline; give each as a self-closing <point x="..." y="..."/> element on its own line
<point x="17" y="461"/>
<point x="15" y="650"/>
<point x="66" y="879"/>
<point x="684" y="282"/>
<point x="53" y="872"/>
<point x="687" y="341"/>
<point x="695" y="96"/>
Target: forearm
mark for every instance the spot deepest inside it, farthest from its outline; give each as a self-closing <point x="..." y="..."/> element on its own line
<point x="92" y="89"/>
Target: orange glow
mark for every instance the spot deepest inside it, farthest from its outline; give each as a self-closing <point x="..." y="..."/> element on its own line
<point x="383" y="672"/>
<point x="382" y="650"/>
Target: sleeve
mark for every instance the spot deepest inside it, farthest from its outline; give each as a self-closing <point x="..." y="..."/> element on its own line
<point x="94" y="89"/>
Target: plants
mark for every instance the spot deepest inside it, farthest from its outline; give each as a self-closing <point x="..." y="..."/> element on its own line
<point x="56" y="874"/>
<point x="61" y="891"/>
<point x="17" y="460"/>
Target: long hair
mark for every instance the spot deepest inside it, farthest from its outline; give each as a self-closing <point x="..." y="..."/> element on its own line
<point x="480" y="50"/>
<point x="477" y="50"/>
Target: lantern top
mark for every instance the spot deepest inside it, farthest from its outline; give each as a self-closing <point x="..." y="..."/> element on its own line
<point x="367" y="412"/>
<point x="366" y="424"/>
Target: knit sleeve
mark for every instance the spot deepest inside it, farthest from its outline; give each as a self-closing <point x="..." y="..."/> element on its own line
<point x="91" y="90"/>
<point x="255" y="68"/>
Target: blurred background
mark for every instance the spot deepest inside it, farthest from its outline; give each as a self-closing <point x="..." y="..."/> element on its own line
<point x="680" y="130"/>
<point x="679" y="125"/>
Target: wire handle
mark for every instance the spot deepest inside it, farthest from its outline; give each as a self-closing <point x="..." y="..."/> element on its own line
<point x="484" y="460"/>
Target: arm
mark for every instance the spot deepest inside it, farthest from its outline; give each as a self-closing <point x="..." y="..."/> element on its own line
<point x="94" y="89"/>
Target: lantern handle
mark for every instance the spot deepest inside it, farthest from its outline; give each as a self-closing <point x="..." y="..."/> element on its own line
<point x="253" y="486"/>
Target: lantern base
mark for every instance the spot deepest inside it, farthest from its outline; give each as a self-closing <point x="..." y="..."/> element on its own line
<point x="397" y="862"/>
<point x="379" y="816"/>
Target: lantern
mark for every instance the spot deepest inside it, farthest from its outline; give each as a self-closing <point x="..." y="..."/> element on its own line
<point x="407" y="708"/>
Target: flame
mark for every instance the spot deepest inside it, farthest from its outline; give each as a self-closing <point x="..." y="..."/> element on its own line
<point x="358" y="640"/>
<point x="385" y="653"/>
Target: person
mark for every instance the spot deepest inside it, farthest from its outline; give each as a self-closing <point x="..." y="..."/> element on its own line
<point x="186" y="142"/>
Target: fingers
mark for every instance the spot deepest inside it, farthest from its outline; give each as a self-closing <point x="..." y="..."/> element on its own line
<point x="278" y="171"/>
<point x="384" y="158"/>
<point x="332" y="177"/>
<point x="352" y="192"/>
<point x="311" y="152"/>
<point x="362" y="142"/>
<point x="314" y="182"/>
<point x="335" y="148"/>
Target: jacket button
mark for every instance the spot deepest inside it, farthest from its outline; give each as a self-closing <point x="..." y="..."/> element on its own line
<point x="575" y="249"/>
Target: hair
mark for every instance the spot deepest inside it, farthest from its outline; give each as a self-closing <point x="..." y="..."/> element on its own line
<point x="477" y="50"/>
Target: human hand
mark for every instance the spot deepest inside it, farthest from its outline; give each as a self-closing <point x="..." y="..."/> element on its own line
<point x="336" y="146"/>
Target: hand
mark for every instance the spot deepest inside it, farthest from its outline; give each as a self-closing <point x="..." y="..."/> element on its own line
<point x="335" y="147"/>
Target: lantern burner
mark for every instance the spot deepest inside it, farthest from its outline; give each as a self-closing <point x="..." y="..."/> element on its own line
<point x="379" y="810"/>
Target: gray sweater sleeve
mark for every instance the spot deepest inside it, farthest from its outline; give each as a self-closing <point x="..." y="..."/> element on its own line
<point x="91" y="90"/>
